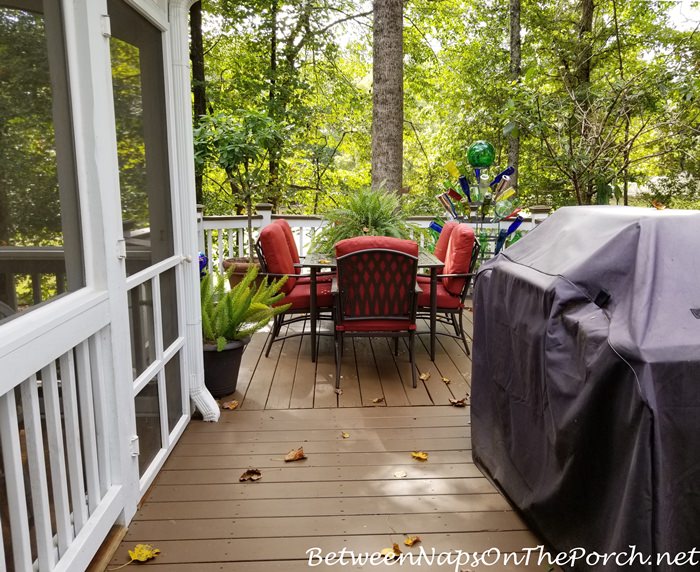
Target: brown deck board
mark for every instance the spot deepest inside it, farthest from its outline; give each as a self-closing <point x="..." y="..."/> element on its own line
<point x="316" y="435"/>
<point x="425" y="470"/>
<point x="324" y="526"/>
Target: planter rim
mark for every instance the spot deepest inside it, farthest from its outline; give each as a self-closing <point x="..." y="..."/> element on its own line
<point x="229" y="346"/>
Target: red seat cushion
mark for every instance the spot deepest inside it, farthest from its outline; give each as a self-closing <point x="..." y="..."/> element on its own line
<point x="459" y="254"/>
<point x="423" y="279"/>
<point x="291" y="243"/>
<point x="444" y="240"/>
<point x="364" y="242"/>
<point x="376" y="326"/>
<point x="277" y="256"/>
<point x="445" y="299"/>
<point x="300" y="297"/>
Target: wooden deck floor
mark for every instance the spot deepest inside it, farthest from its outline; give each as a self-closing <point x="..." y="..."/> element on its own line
<point x="350" y="492"/>
<point x="287" y="379"/>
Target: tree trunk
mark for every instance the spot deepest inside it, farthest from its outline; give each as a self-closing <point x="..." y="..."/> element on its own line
<point x="515" y="70"/>
<point x="273" y="111"/>
<point x="387" y="96"/>
<point x="583" y="82"/>
<point x="198" y="78"/>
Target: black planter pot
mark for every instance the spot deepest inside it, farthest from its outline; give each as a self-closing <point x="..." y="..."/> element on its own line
<point x="221" y="368"/>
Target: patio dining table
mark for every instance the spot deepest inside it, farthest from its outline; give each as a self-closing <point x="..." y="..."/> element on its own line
<point x="319" y="261"/>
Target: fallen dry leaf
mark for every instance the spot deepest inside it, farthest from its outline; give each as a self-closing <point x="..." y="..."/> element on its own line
<point x="445" y="379"/>
<point x="400" y="474"/>
<point x="143" y="552"/>
<point x="230" y="405"/>
<point x="420" y="455"/>
<point x="339" y="391"/>
<point x="345" y="435"/>
<point x="459" y="402"/>
<point x="251" y="475"/>
<point x="411" y="540"/>
<point x="295" y="455"/>
<point x="658" y="206"/>
<point x="424" y="376"/>
<point x="324" y="261"/>
<point x="378" y="400"/>
<point x="392" y="552"/>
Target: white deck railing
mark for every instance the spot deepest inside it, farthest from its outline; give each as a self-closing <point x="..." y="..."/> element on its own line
<point x="223" y="237"/>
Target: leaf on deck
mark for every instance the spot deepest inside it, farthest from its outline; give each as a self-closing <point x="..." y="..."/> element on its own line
<point x="459" y="402"/>
<point x="392" y="552"/>
<point x="345" y="435"/>
<point x="424" y="376"/>
<point x="378" y="400"/>
<point x="143" y="553"/>
<point x="419" y="455"/>
<point x="233" y="404"/>
<point x="251" y="475"/>
<point x="295" y="455"/>
<point x="411" y="540"/>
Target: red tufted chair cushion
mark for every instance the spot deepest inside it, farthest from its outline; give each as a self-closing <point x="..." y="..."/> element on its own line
<point x="363" y="242"/>
<point x="375" y="283"/>
<point x="444" y="240"/>
<point x="291" y="243"/>
<point x="277" y="256"/>
<point x="458" y="257"/>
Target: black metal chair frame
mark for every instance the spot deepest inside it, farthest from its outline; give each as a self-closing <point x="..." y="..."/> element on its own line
<point x="454" y="316"/>
<point x="291" y="316"/>
<point x="338" y="313"/>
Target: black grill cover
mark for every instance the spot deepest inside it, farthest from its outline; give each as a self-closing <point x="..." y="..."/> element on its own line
<point x="586" y="379"/>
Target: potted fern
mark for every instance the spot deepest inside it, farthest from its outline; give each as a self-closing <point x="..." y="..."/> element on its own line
<point x="368" y="211"/>
<point x="229" y="319"/>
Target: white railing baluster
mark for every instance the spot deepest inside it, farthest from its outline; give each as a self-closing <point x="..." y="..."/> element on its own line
<point x="241" y="243"/>
<point x="231" y="252"/>
<point x="14" y="482"/>
<point x="57" y="464"/>
<point x="87" y="421"/>
<point x="210" y="255"/>
<point x="73" y="447"/>
<point x="300" y="242"/>
<point x="37" y="474"/>
<point x="220" y="254"/>
<point x="99" y="404"/>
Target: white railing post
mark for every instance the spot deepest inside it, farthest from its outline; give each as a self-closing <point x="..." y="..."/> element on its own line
<point x="264" y="210"/>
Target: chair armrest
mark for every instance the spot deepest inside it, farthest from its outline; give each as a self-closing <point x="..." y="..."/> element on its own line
<point x="460" y="275"/>
<point x="418" y="289"/>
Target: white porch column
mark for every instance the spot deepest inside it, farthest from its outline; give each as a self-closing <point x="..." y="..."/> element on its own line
<point x="185" y="191"/>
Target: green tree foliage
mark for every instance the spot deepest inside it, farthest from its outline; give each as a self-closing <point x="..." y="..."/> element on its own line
<point x="29" y="198"/>
<point x="605" y="97"/>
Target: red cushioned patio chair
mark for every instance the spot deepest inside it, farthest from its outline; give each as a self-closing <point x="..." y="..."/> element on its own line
<point x="453" y="283"/>
<point x="275" y="261"/>
<point x="440" y="249"/>
<point x="292" y="245"/>
<point x="376" y="292"/>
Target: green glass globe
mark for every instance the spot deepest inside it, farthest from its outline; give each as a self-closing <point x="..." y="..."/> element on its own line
<point x="481" y="155"/>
